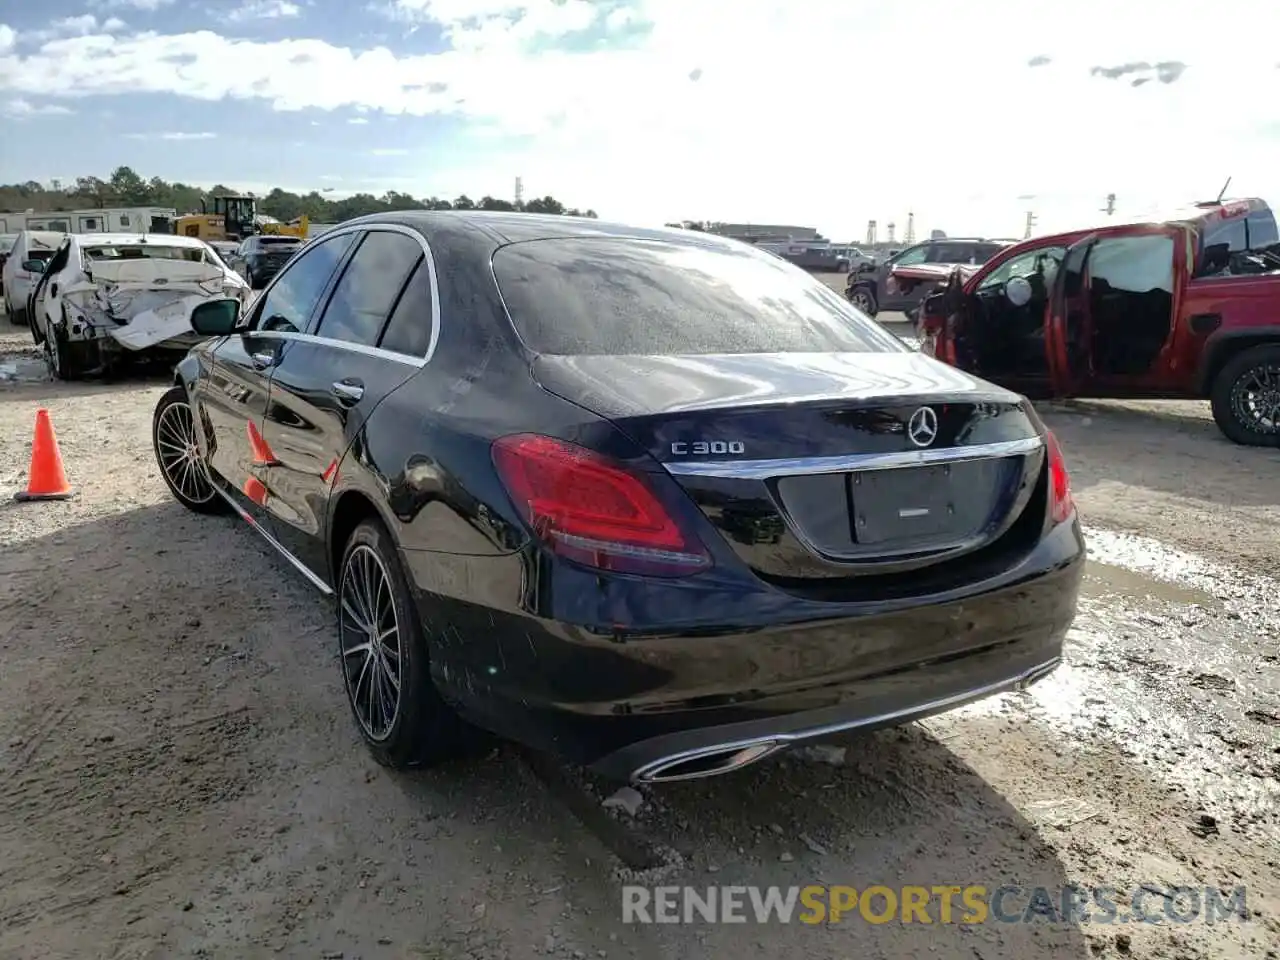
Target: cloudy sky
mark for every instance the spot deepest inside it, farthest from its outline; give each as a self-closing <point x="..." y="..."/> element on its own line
<point x="822" y="112"/>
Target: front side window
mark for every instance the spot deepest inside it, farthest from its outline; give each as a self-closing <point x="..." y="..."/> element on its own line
<point x="1044" y="261"/>
<point x="910" y="257"/>
<point x="288" y="305"/>
<point x="615" y="297"/>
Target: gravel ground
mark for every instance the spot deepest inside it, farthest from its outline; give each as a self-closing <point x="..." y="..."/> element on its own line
<point x="179" y="775"/>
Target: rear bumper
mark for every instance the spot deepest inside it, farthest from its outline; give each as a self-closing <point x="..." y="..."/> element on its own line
<point x="620" y="704"/>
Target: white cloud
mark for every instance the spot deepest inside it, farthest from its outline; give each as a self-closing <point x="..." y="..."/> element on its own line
<point x="79" y="26"/>
<point x="263" y="10"/>
<point x="8" y="37"/>
<point x="20" y="109"/>
<point x="388" y="152"/>
<point x="172" y="135"/>
<point x="825" y="112"/>
<point x="147" y="5"/>
<point x="359" y="121"/>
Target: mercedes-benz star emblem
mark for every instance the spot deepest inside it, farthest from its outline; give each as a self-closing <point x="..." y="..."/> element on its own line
<point x="922" y="428"/>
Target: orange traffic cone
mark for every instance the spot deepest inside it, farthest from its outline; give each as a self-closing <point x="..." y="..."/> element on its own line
<point x="45" y="479"/>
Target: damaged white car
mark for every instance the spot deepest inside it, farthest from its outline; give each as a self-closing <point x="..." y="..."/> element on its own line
<point x="104" y="299"/>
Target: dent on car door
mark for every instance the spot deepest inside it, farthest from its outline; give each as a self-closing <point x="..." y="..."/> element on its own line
<point x="370" y="337"/>
<point x="233" y="397"/>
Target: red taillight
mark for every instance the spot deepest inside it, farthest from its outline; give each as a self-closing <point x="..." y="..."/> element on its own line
<point x="1060" y="502"/>
<point x="589" y="509"/>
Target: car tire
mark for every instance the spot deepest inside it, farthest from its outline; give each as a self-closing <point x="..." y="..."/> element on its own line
<point x="187" y="477"/>
<point x="17" y="317"/>
<point x="423" y="730"/>
<point x="59" y="355"/>
<point x="1254" y="364"/>
<point x="864" y="298"/>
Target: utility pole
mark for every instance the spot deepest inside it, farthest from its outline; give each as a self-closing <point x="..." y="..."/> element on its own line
<point x="871" y="233"/>
<point x="910" y="236"/>
<point x="1031" y="222"/>
<point x="1110" y="208"/>
<point x="519" y="191"/>
<point x="892" y="228"/>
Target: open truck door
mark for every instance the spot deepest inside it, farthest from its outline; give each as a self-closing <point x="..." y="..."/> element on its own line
<point x="1066" y="320"/>
<point x="1112" y="306"/>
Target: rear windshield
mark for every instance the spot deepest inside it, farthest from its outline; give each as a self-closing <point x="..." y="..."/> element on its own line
<point x="149" y="252"/>
<point x="279" y="241"/>
<point x="618" y="296"/>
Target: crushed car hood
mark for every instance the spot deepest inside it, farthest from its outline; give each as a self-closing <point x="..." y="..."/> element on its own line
<point x="934" y="271"/>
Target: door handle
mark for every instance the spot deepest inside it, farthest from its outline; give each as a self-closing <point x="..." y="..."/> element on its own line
<point x="263" y="360"/>
<point x="347" y="391"/>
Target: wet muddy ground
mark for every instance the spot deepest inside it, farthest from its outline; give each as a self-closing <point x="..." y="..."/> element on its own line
<point x="179" y="776"/>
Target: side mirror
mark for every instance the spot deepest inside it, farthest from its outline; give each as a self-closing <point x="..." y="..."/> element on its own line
<point x="1018" y="291"/>
<point x="33" y="266"/>
<point x="216" y="318"/>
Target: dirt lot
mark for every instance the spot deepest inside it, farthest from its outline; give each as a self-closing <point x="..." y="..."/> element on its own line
<point x="179" y="775"/>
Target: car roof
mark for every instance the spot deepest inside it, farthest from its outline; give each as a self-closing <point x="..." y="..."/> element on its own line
<point x="43" y="236"/>
<point x="502" y="227"/>
<point x="136" y="239"/>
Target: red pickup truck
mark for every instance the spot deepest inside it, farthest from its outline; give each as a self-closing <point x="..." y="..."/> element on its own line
<point x="1185" y="308"/>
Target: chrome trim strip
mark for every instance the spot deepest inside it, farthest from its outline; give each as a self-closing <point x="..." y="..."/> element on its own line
<point x="765" y="469"/>
<point x="357" y="347"/>
<point x="360" y="348"/>
<point x="1012" y="684"/>
<point x="283" y="551"/>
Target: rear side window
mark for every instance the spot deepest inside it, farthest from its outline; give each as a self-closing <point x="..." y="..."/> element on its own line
<point x="409" y="330"/>
<point x="369" y="287"/>
<point x="618" y="297"/>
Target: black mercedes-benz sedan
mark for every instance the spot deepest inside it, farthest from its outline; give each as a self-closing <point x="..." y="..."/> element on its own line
<point x="652" y="500"/>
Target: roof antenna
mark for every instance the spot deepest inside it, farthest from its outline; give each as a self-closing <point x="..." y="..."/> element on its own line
<point x="1223" y="192"/>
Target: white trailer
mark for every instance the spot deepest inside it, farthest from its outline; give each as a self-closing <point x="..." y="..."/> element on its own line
<point x="104" y="220"/>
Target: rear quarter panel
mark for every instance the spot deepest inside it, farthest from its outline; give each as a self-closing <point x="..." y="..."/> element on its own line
<point x="1247" y="311"/>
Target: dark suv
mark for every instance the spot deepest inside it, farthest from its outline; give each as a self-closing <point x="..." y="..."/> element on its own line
<point x="869" y="292"/>
<point x="259" y="258"/>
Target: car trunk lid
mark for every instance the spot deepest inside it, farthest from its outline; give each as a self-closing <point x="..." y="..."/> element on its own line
<point x="817" y="466"/>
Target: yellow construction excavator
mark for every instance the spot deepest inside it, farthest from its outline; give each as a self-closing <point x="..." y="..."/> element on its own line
<point x="234" y="218"/>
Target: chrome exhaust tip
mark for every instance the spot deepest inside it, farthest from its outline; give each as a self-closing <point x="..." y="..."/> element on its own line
<point x="707" y="762"/>
<point x="1036" y="674"/>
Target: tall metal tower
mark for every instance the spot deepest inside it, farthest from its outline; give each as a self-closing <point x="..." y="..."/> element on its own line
<point x="910" y="237"/>
<point x="871" y="233"/>
<point x="892" y="226"/>
<point x="1031" y="222"/>
<point x="519" y="191"/>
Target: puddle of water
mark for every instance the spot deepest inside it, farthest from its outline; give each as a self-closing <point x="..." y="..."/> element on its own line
<point x="1163" y="662"/>
<point x="1108" y="580"/>
<point x="23" y="370"/>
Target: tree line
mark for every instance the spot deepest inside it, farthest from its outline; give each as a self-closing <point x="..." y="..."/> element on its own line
<point x="126" y="188"/>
